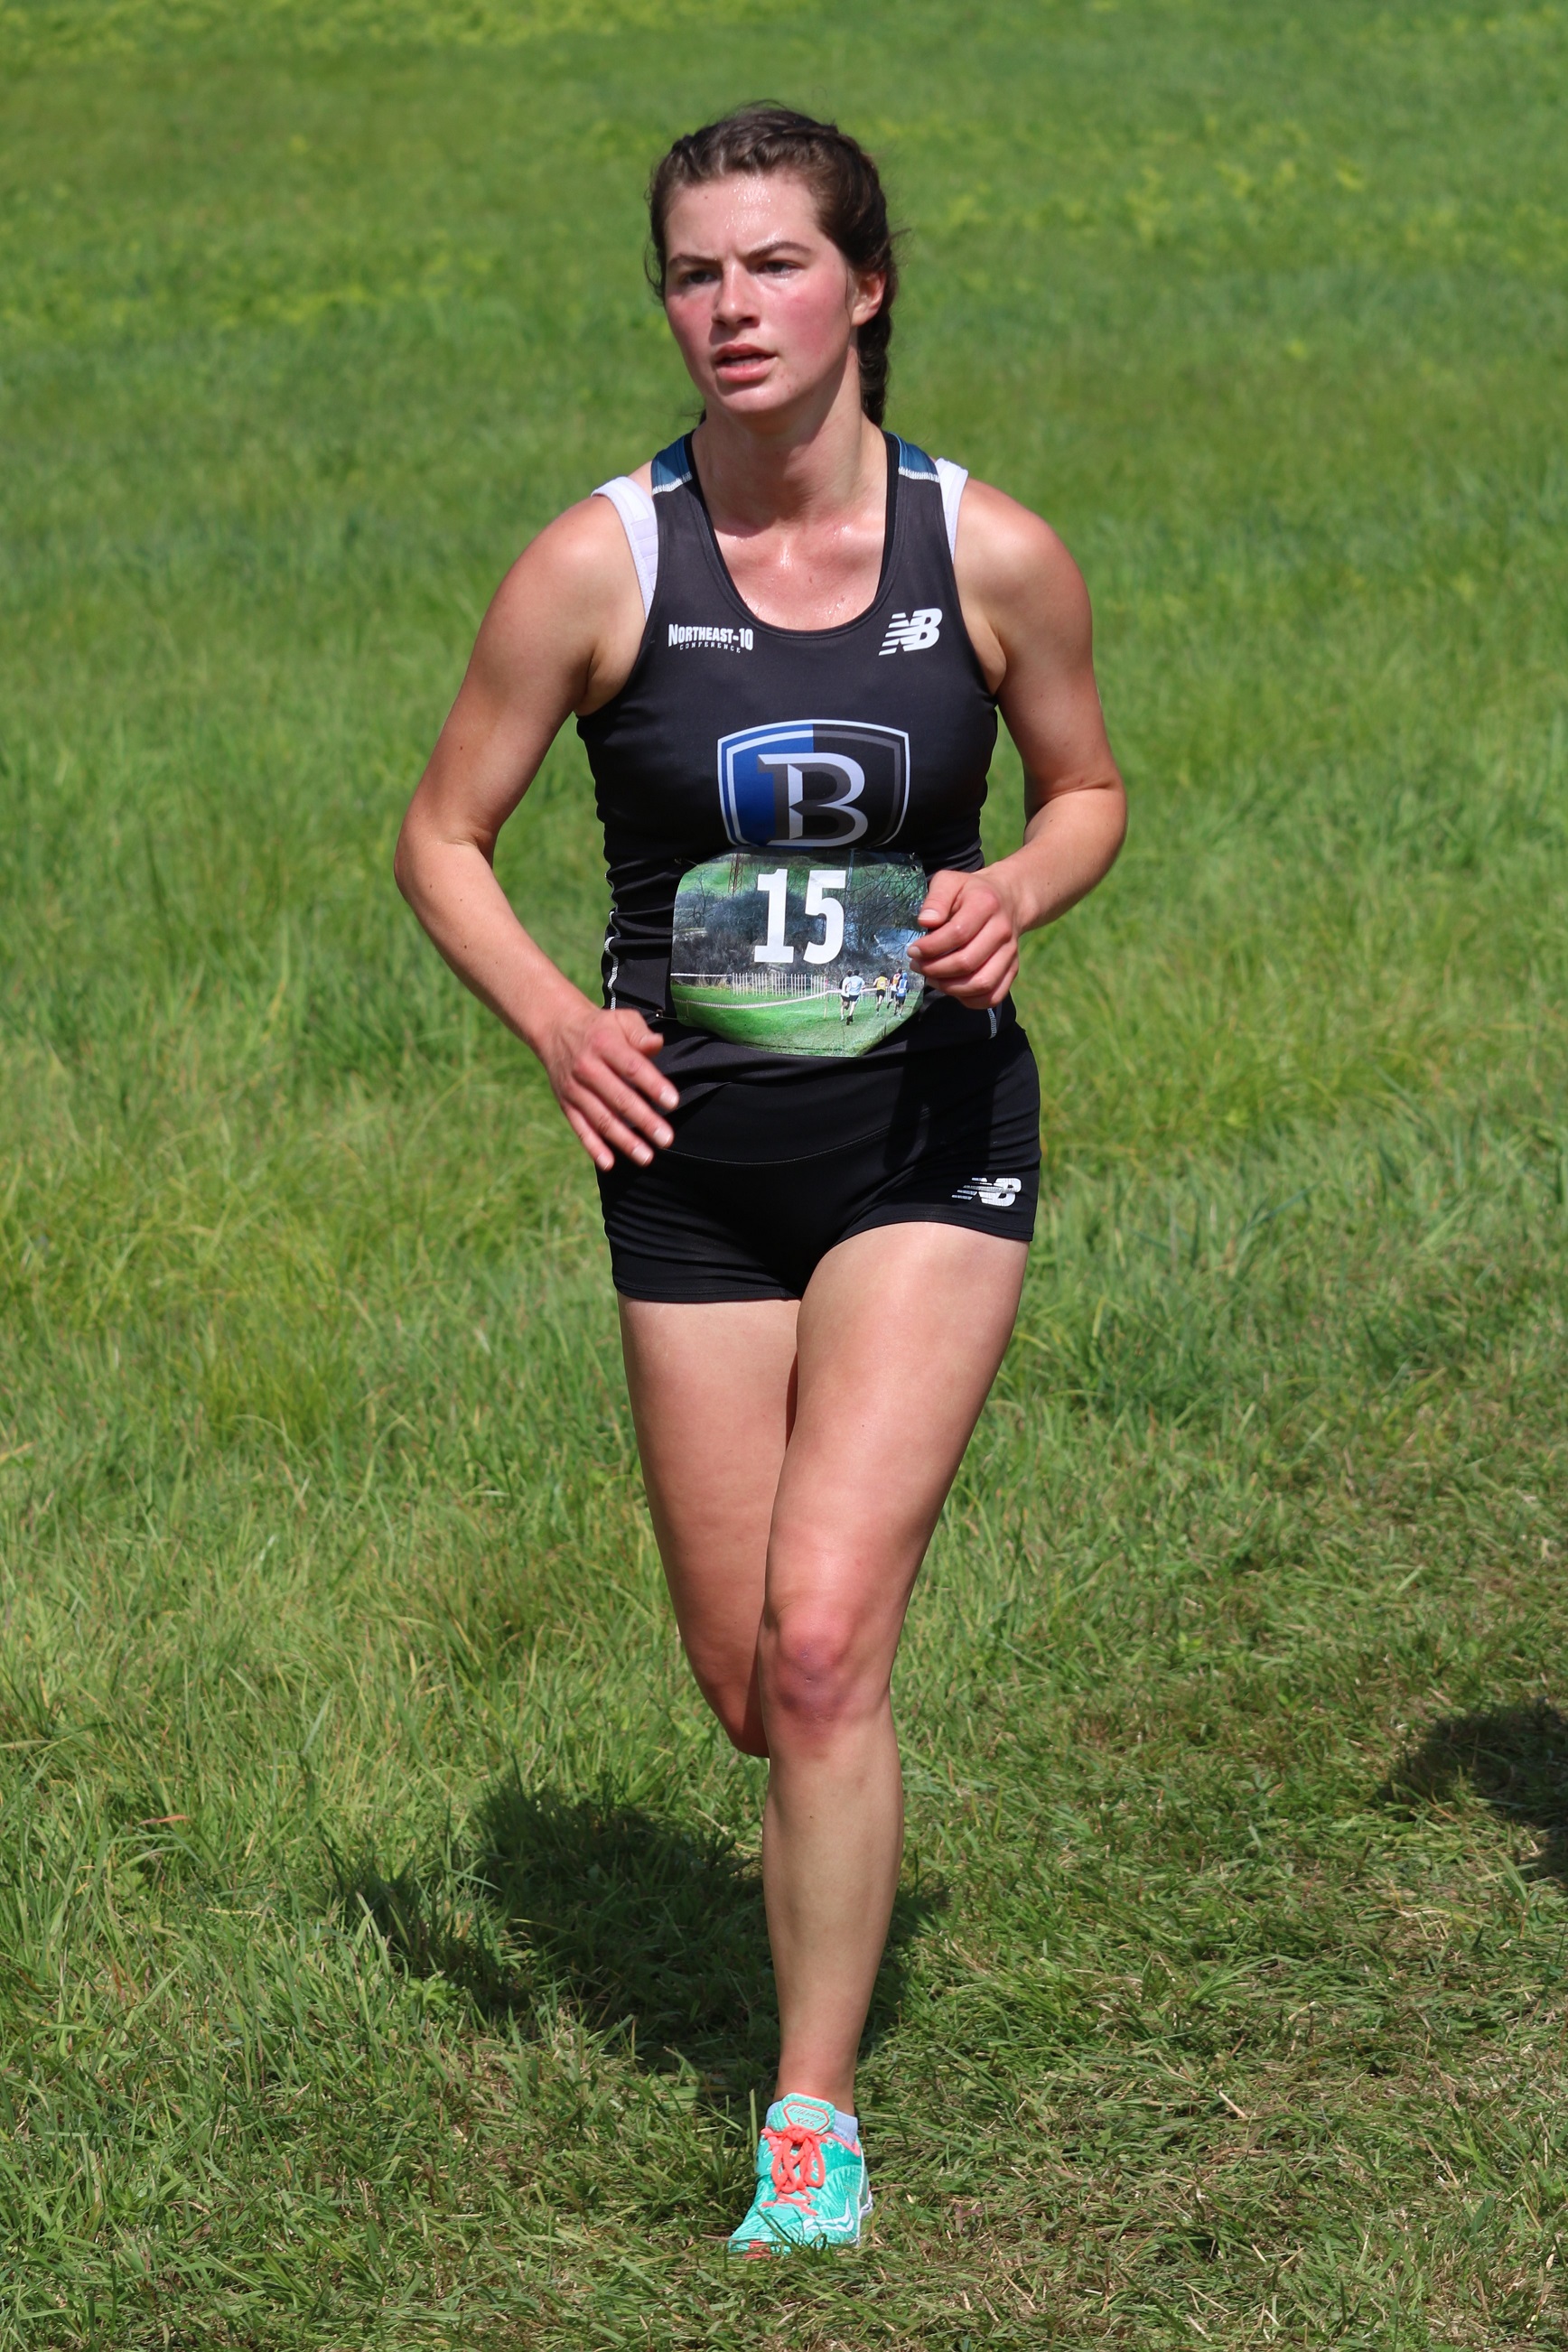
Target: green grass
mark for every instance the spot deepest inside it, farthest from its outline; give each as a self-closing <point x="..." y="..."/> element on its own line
<point x="791" y="1024"/>
<point x="381" y="1953"/>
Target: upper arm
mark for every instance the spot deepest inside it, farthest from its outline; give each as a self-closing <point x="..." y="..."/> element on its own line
<point x="1027" y="608"/>
<point x="565" y="619"/>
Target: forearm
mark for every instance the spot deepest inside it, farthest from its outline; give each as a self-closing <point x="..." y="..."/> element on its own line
<point x="452" y="888"/>
<point x="1068" y="846"/>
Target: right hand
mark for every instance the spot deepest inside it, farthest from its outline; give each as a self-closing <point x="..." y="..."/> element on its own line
<point x="602" y="1068"/>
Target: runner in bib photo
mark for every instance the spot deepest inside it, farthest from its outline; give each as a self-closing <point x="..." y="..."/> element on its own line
<point x="785" y="641"/>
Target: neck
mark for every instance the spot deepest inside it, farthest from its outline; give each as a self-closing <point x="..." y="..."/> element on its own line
<point x="823" y="459"/>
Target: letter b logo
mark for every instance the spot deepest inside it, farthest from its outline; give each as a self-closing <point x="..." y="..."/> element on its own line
<point x="814" y="783"/>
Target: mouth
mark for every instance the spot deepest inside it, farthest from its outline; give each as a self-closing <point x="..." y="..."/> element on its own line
<point x="739" y="363"/>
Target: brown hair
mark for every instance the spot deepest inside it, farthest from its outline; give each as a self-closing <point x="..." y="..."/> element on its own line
<point x="851" y="208"/>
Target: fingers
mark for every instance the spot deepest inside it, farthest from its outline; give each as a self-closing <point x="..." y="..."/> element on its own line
<point x="631" y="1058"/>
<point x="594" y="1144"/>
<point x="976" y="916"/>
<point x="645" y="1043"/>
<point x="942" y="890"/>
<point x="961" y="931"/>
<point x="956" y="907"/>
<point x="958" y="954"/>
<point x="973" y="953"/>
<point x="603" y="1131"/>
<point x="989" y="985"/>
<point x="613" y="1095"/>
<point x="615" y="1112"/>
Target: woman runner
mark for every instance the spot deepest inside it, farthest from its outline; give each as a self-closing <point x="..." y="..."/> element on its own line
<point x="785" y="641"/>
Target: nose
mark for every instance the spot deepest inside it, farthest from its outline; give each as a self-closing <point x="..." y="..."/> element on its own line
<point x="734" y="304"/>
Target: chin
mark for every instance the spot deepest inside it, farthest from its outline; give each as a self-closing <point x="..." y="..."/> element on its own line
<point x="758" y="403"/>
<point x="766" y="394"/>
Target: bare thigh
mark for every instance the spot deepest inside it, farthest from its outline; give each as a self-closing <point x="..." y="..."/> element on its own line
<point x="713" y="1390"/>
<point x="803" y="1455"/>
<point x="898" y="1342"/>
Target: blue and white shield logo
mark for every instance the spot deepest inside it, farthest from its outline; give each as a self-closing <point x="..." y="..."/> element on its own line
<point x="814" y="783"/>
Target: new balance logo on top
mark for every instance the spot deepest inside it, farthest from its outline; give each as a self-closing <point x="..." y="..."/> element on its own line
<point x="997" y="1191"/>
<point x="910" y="633"/>
<point x="724" y="641"/>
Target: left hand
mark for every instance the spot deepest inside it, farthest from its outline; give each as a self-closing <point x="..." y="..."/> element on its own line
<point x="970" y="948"/>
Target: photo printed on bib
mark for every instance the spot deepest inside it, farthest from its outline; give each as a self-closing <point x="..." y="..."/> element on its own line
<point x="796" y="954"/>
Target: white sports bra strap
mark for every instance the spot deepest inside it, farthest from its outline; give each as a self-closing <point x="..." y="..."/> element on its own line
<point x="952" y="478"/>
<point x="636" y="511"/>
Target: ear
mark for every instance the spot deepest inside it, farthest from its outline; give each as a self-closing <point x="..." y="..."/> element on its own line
<point x="869" y="293"/>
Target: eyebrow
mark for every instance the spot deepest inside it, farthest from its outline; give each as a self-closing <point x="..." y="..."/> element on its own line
<point x="772" y="245"/>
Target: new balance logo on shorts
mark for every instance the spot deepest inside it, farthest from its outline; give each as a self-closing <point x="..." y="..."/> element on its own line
<point x="910" y="633"/>
<point x="997" y="1191"/>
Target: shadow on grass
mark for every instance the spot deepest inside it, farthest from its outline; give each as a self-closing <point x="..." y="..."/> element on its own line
<point x="645" y="1928"/>
<point x="1514" y="1756"/>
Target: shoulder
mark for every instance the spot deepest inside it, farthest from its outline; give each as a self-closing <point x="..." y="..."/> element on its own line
<point x="1018" y="581"/>
<point x="581" y="555"/>
<point x="1023" y="597"/>
<point x="583" y="560"/>
<point x="570" y="602"/>
<point x="1005" y="550"/>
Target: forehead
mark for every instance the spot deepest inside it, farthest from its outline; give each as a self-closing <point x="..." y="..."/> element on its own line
<point x="742" y="211"/>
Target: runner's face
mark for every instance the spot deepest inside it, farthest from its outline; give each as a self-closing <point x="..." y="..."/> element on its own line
<point x="761" y="302"/>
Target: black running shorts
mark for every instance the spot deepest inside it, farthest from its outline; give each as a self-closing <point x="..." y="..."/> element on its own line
<point x="749" y="1198"/>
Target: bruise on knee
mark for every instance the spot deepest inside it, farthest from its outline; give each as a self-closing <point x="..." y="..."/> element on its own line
<point x="815" y="1676"/>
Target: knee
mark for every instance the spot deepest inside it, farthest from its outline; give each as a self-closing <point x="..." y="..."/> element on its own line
<point x="815" y="1675"/>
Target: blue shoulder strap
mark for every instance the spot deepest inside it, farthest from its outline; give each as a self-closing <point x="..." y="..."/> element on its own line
<point x="670" y="467"/>
<point x="914" y="464"/>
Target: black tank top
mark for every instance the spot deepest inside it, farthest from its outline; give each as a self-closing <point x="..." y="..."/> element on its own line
<point x="732" y="736"/>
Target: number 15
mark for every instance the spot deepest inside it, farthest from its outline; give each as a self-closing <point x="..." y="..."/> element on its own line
<point x="818" y="901"/>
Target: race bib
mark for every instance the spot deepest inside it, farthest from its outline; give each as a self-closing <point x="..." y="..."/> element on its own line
<point x="797" y="954"/>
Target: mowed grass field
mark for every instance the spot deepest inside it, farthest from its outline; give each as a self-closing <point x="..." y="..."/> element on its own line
<point x="382" y="1961"/>
<point x="786" y="1024"/>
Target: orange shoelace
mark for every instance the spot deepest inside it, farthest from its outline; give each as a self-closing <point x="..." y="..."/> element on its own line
<point x="798" y="2165"/>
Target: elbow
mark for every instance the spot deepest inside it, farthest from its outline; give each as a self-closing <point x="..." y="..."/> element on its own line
<point x="402" y="863"/>
<point x="428" y="861"/>
<point x="1116" y="795"/>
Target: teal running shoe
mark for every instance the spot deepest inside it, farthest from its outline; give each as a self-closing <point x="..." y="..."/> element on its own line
<point x="812" y="2188"/>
